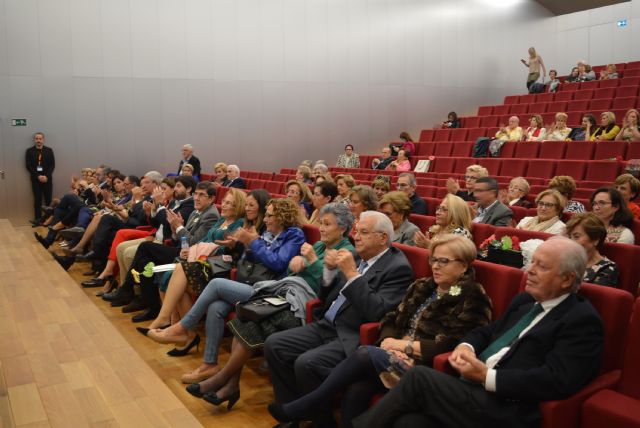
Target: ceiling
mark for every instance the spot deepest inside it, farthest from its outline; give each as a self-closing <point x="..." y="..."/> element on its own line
<point x="561" y="7"/>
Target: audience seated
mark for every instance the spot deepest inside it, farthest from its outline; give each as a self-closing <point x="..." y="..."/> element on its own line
<point x="608" y="130"/>
<point x="609" y="206"/>
<point x="574" y="76"/>
<point x="535" y="132"/>
<point x="589" y="231"/>
<point x="629" y="187"/>
<point x="554" y="82"/>
<point x="323" y="193"/>
<point x="472" y="174"/>
<point x="300" y="359"/>
<point x="610" y="72"/>
<point x="299" y="193"/>
<point x="407" y="144"/>
<point x="490" y="210"/>
<point x="550" y="205"/>
<point x="558" y="131"/>
<point x="221" y="179"/>
<point x="304" y="175"/>
<point x="349" y="159"/>
<point x="401" y="162"/>
<point x="584" y="132"/>
<point x="585" y="72"/>
<point x="511" y="132"/>
<point x="630" y="129"/>
<point x="273" y="250"/>
<point x="305" y="275"/>
<point x="452" y="121"/>
<point x="320" y="169"/>
<point x="434" y="315"/>
<point x="453" y="216"/>
<point x="501" y="384"/>
<point x="384" y="160"/>
<point x="397" y="206"/>
<point x="345" y="183"/>
<point x="566" y="186"/>
<point x="234" y="179"/>
<point x="381" y="185"/>
<point x="407" y="183"/>
<point x="363" y="198"/>
<point x="516" y="195"/>
<point x="323" y="177"/>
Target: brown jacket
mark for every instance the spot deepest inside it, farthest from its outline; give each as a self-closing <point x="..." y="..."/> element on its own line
<point x="445" y="321"/>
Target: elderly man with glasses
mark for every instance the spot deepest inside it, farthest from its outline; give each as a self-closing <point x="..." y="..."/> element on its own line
<point x="407" y="183"/>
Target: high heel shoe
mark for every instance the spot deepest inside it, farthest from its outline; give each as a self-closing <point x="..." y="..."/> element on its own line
<point x="212" y="397"/>
<point x="144" y="330"/>
<point x="194" y="389"/>
<point x="176" y="352"/>
<point x="276" y="410"/>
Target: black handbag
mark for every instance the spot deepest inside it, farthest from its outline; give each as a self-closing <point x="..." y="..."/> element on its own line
<point x="201" y="272"/>
<point x="252" y="272"/>
<point x="258" y="308"/>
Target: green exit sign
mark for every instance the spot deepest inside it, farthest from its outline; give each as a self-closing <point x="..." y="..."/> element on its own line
<point x="19" y="122"/>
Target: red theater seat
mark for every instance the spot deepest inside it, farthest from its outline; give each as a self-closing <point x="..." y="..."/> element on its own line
<point x="424" y="222"/>
<point x="444" y="164"/>
<point x="512" y="99"/>
<point x="501" y="110"/>
<point x="627" y="257"/>
<point x="311" y="233"/>
<point x="598" y="105"/>
<point x="481" y="232"/>
<point x="580" y="150"/>
<point x="492" y="165"/>
<point x="489" y="121"/>
<point x="546" y="97"/>
<point x="459" y="134"/>
<point x="472" y="122"/>
<point x="518" y="109"/>
<point x="564" y="96"/>
<point x="537" y="108"/>
<point x="624" y="103"/>
<point x="485" y="110"/>
<point x="514" y="167"/>
<point x="425" y="148"/>
<point x="418" y="259"/>
<point x="611" y="149"/>
<point x="572" y="168"/>
<point x="557" y="106"/>
<point x="527" y="149"/>
<point x="508" y="149"/>
<point x="501" y="283"/>
<point x="475" y="133"/>
<point x="442" y="135"/>
<point x="626" y="91"/>
<point x="542" y="168"/>
<point x="443" y="148"/>
<point x="583" y="94"/>
<point x="578" y="105"/>
<point x="609" y="83"/>
<point x="633" y="151"/>
<point x="552" y="149"/>
<point x="462" y="149"/>
<point x="427" y="135"/>
<point x="602" y="170"/>
<point x="603" y="93"/>
<point x="591" y="85"/>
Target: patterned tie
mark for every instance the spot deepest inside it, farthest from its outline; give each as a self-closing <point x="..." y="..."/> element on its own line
<point x="330" y="315"/>
<point x="511" y="334"/>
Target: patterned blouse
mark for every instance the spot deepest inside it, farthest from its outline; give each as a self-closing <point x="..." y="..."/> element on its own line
<point x="574" y="207"/>
<point x="605" y="272"/>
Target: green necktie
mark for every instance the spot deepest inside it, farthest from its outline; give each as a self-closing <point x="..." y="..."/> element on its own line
<point x="511" y="334"/>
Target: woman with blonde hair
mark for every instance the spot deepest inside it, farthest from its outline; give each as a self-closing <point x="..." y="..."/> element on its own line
<point x="608" y="130"/>
<point x="630" y="129"/>
<point x="304" y="174"/>
<point x="517" y="193"/>
<point x="453" y="216"/>
<point x="381" y="185"/>
<point x="220" y="179"/>
<point x="536" y="131"/>
<point x="550" y="205"/>
<point x="397" y="206"/>
<point x="559" y="131"/>
<point x="472" y="173"/>
<point x="299" y="193"/>
<point x="535" y="64"/>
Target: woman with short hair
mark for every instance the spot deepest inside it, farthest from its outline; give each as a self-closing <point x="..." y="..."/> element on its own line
<point x="559" y="130"/>
<point x="345" y="183"/>
<point x="299" y="193"/>
<point x="381" y="185"/>
<point x="363" y="198"/>
<point x="397" y="206"/>
<point x="517" y="192"/>
<point x="323" y="193"/>
<point x="472" y="173"/>
<point x="583" y="133"/>
<point x="433" y="317"/>
<point x="402" y="162"/>
<point x="608" y="130"/>
<point x="349" y="159"/>
<point x="550" y="204"/>
<point x="590" y="232"/>
<point x="304" y="174"/>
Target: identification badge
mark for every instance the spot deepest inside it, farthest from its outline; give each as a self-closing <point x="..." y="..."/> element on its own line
<point x="39" y="169"/>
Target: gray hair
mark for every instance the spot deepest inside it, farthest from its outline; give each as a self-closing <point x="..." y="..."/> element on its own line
<point x="234" y="167"/>
<point x="342" y="213"/>
<point x="106" y="169"/>
<point x="383" y="223"/>
<point x="321" y="167"/>
<point x="574" y="259"/>
<point x="188" y="147"/>
<point x="412" y="178"/>
<point x="154" y="176"/>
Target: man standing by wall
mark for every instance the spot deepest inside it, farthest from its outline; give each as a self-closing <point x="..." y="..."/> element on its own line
<point x="40" y="164"/>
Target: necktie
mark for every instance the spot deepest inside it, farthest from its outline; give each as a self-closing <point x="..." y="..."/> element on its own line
<point x="511" y="334"/>
<point x="331" y="313"/>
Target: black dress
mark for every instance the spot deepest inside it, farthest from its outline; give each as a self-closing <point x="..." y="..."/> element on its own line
<point x="605" y="272"/>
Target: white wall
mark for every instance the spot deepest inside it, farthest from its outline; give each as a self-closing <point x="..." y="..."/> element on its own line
<point x="261" y="83"/>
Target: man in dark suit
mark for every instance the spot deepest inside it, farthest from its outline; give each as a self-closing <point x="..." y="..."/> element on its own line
<point x="490" y="209"/>
<point x="301" y="358"/>
<point x="407" y="184"/>
<point x="40" y="164"/>
<point x="384" y="160"/>
<point x="547" y="346"/>
<point x="188" y="157"/>
<point x="234" y="179"/>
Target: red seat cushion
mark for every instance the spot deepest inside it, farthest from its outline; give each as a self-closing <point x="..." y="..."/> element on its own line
<point x="609" y="408"/>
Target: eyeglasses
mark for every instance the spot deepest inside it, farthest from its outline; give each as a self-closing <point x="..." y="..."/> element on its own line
<point x="442" y="208"/>
<point x="476" y="190"/>
<point x="545" y="205"/>
<point x="470" y="178"/>
<point x="441" y="261"/>
<point x="515" y="188"/>
<point x="365" y="232"/>
<point x="600" y="204"/>
<point x="401" y="185"/>
<point x="230" y="203"/>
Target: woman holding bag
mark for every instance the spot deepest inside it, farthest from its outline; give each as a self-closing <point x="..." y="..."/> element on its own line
<point x="269" y="254"/>
<point x="305" y="276"/>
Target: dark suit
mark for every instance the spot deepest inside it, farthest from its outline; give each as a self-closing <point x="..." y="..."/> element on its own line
<point x="237" y="182"/>
<point x="301" y="358"/>
<point x="44" y="160"/>
<point x="183" y="207"/>
<point x="552" y="361"/>
<point x="418" y="205"/>
<point x="194" y="162"/>
<point x="498" y="215"/>
<point x="384" y="163"/>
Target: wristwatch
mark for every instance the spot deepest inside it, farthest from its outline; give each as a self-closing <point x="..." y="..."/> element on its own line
<point x="408" y="349"/>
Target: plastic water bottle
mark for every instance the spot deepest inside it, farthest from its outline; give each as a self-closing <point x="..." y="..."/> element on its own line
<point x="184" y="243"/>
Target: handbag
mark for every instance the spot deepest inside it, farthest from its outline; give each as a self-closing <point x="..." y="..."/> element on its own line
<point x="251" y="272"/>
<point x="201" y="272"/>
<point x="258" y="308"/>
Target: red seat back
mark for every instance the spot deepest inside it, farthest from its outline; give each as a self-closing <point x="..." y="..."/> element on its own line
<point x="462" y="148"/>
<point x="572" y="168"/>
<point x="542" y="168"/>
<point x="630" y="382"/>
<point x="311" y="233"/>
<point x="611" y="149"/>
<point x="602" y="170"/>
<point x="514" y="167"/>
<point x="427" y="134"/>
<point x="627" y="257"/>
<point x="523" y="235"/>
<point x="481" y="232"/>
<point x="418" y="259"/>
<point x="501" y="284"/>
<point x="552" y="149"/>
<point x="424" y="222"/>
<point x="527" y="149"/>
<point x="443" y="148"/>
<point x="580" y="150"/>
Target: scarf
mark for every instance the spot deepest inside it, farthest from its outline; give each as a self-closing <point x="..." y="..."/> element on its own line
<point x="537" y="226"/>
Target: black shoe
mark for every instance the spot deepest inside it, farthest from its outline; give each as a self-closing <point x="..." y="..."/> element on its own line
<point x="212" y="397"/>
<point x="96" y="282"/>
<point x="277" y="412"/>
<point x="35" y="222"/>
<point x="41" y="240"/>
<point x="121" y="293"/>
<point x="176" y="352"/>
<point x="293" y="424"/>
<point x="47" y="210"/>
<point x="87" y="256"/>
<point x="194" y="389"/>
<point x="135" y="306"/>
<point x="65" y="261"/>
<point x="122" y="300"/>
<point x="72" y="233"/>
<point x="148" y="315"/>
<point x="144" y="330"/>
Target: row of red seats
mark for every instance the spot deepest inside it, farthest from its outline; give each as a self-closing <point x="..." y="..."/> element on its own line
<point x="626" y="89"/>
<point x="572" y="150"/>
<point x="602" y="99"/>
<point x="577" y="86"/>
